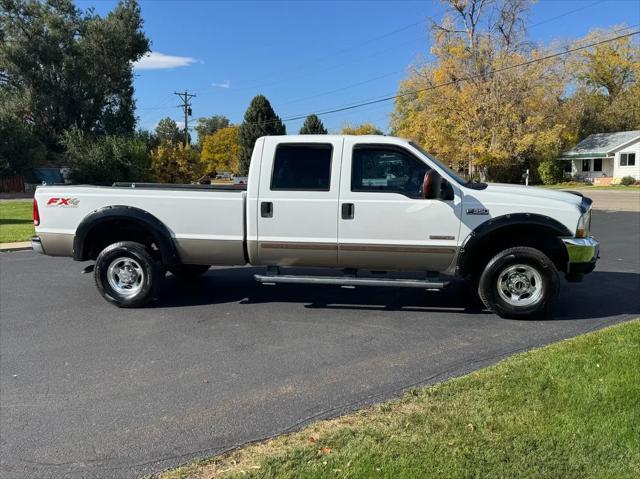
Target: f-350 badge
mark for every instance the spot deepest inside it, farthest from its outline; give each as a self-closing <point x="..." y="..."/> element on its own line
<point x="477" y="211"/>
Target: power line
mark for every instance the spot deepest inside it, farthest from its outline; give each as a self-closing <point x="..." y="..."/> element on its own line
<point x="259" y="84"/>
<point x="459" y="80"/>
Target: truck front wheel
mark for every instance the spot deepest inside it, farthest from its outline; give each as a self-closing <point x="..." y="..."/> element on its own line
<point x="127" y="275"/>
<point x="519" y="283"/>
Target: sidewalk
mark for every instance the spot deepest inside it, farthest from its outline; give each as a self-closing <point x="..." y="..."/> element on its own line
<point x="20" y="246"/>
<point x="613" y="200"/>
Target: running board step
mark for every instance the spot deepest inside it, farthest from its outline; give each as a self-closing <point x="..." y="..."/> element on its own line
<point x="350" y="281"/>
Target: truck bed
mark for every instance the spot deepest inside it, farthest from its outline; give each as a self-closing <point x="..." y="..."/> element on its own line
<point x="206" y="222"/>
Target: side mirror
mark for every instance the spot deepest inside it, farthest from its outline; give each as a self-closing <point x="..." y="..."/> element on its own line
<point x="431" y="185"/>
<point x="446" y="191"/>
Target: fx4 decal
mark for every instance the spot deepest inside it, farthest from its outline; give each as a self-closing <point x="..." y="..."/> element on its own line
<point x="63" y="202"/>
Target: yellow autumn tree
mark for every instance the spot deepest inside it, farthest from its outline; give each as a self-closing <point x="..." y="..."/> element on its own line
<point x="220" y="151"/>
<point x="469" y="108"/>
<point x="607" y="83"/>
<point x="175" y="163"/>
<point x="362" y="129"/>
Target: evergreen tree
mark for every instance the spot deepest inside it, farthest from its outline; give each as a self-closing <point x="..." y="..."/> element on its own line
<point x="259" y="120"/>
<point x="313" y="126"/>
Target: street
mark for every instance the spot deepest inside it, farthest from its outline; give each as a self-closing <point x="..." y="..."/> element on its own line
<point x="90" y="390"/>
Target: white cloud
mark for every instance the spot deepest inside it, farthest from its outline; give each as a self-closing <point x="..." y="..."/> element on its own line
<point x="224" y="84"/>
<point x="160" y="61"/>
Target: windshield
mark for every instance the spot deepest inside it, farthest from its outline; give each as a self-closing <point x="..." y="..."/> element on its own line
<point x="448" y="170"/>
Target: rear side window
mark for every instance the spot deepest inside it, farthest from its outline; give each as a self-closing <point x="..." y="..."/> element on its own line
<point x="302" y="167"/>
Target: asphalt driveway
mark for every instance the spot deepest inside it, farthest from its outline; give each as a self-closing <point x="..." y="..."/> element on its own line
<point x="88" y="390"/>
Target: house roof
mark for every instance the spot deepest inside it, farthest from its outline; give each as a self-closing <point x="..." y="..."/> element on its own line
<point x="601" y="144"/>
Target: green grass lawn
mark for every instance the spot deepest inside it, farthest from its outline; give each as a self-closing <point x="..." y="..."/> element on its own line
<point x="569" y="410"/>
<point x="16" y="221"/>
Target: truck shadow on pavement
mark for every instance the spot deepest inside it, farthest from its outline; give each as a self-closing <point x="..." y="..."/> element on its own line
<point x="600" y="295"/>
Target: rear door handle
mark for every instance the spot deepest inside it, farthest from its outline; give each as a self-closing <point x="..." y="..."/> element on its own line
<point x="266" y="209"/>
<point x="348" y="211"/>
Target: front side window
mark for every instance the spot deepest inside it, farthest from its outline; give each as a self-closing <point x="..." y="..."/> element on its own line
<point x="585" y="165"/>
<point x="380" y="168"/>
<point x="627" y="159"/>
<point x="597" y="164"/>
<point x="302" y="167"/>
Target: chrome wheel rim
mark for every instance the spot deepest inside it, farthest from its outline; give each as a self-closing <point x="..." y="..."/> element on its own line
<point x="520" y="285"/>
<point x="125" y="276"/>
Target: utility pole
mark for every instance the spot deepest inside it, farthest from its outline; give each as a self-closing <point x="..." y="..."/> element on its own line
<point x="186" y="106"/>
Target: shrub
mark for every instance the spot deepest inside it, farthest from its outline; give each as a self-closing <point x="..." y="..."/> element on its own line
<point x="550" y="172"/>
<point x="175" y="163"/>
<point x="106" y="159"/>
<point x="627" y="181"/>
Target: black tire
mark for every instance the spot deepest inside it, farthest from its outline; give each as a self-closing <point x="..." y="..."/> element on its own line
<point x="189" y="271"/>
<point x="147" y="271"/>
<point x="526" y="276"/>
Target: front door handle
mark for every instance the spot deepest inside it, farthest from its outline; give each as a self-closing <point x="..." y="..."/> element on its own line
<point x="266" y="209"/>
<point x="348" y="211"/>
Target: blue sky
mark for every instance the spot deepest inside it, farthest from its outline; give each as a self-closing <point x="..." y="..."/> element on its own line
<point x="308" y="56"/>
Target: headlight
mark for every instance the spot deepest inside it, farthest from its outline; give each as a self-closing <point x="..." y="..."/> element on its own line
<point x="584" y="225"/>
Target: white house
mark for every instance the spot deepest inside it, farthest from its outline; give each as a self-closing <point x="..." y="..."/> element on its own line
<point x="604" y="158"/>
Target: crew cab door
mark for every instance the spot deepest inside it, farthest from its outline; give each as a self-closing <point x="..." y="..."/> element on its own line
<point x="384" y="223"/>
<point x="298" y="202"/>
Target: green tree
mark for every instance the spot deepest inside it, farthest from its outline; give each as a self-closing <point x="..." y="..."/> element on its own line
<point x="20" y="149"/>
<point x="209" y="125"/>
<point x="107" y="158"/>
<point x="72" y="67"/>
<point x="259" y="120"/>
<point x="167" y="131"/>
<point x="313" y="126"/>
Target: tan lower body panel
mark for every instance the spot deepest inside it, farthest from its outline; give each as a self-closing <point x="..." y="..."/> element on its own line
<point x="364" y="256"/>
<point x="56" y="244"/>
<point x="321" y="255"/>
<point x="214" y="252"/>
<point x="395" y="257"/>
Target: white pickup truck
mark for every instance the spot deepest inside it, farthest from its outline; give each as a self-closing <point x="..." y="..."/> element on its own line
<point x="374" y="209"/>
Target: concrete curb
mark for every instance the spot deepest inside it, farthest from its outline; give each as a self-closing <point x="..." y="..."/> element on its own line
<point x="20" y="246"/>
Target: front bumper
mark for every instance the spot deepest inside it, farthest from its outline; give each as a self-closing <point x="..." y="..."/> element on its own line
<point x="36" y="245"/>
<point x="583" y="254"/>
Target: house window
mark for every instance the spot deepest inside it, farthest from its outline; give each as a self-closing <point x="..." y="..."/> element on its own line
<point x="586" y="164"/>
<point x="597" y="164"/>
<point x="627" y="159"/>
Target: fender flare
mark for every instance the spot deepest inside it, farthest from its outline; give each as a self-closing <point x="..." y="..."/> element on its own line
<point x="159" y="231"/>
<point x="476" y="236"/>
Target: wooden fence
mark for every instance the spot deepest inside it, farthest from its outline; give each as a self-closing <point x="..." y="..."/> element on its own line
<point x="12" y="184"/>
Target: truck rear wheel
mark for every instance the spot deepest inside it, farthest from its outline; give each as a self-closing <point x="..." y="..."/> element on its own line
<point x="127" y="275"/>
<point x="189" y="271"/>
<point x="519" y="283"/>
